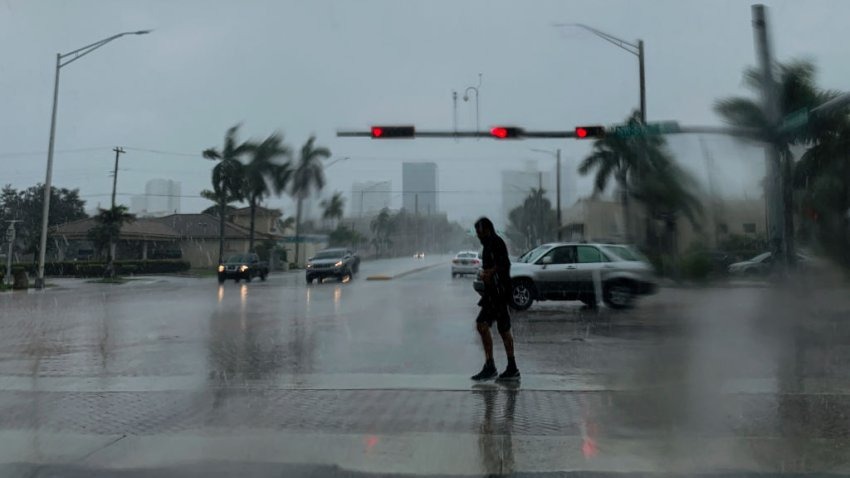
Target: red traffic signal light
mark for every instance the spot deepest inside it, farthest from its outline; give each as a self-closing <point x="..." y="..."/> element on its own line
<point x="583" y="132"/>
<point x="506" y="132"/>
<point x="384" y="132"/>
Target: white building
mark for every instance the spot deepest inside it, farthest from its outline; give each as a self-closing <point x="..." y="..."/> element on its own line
<point x="369" y="197"/>
<point x="161" y="198"/>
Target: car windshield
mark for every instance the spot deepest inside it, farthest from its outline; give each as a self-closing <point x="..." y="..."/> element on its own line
<point x="249" y="235"/>
<point x="531" y="256"/>
<point x="760" y="257"/>
<point x="329" y="255"/>
<point x="239" y="258"/>
<point x="623" y="253"/>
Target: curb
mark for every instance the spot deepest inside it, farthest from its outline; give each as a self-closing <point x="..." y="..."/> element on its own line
<point x="385" y="277"/>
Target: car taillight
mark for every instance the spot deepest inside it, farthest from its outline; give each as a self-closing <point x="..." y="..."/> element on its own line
<point x="476" y="261"/>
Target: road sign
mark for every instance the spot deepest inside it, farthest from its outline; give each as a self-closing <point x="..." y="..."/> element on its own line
<point x="629" y="130"/>
<point x="10" y="233"/>
<point x="794" y="120"/>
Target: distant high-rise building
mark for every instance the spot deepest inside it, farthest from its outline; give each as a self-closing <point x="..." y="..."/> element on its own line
<point x="517" y="184"/>
<point x="419" y="188"/>
<point x="162" y="197"/>
<point x="369" y="197"/>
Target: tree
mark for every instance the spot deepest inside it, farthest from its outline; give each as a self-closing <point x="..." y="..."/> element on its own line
<point x="533" y="222"/>
<point x="796" y="89"/>
<point x="334" y="207"/>
<point x="644" y="170"/>
<point x="227" y="177"/>
<point x="381" y="227"/>
<point x="307" y="176"/>
<point x="107" y="230"/>
<point x="27" y="206"/>
<point x="261" y="172"/>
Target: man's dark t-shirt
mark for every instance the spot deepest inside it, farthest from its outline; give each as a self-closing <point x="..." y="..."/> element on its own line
<point x="495" y="255"/>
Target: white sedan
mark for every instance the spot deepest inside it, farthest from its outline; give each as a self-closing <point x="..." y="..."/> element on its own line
<point x="466" y="262"/>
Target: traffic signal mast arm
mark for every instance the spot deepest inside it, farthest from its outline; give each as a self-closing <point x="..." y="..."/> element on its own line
<point x="520" y="133"/>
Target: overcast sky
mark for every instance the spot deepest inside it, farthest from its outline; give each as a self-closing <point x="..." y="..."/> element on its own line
<point x="315" y="66"/>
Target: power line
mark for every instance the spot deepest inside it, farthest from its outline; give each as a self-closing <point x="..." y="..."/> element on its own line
<point x="39" y="153"/>
<point x="163" y="152"/>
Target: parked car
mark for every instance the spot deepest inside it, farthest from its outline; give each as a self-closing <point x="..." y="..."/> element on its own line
<point x="419" y="255"/>
<point x="243" y="266"/>
<point x="466" y="262"/>
<point x="335" y="262"/>
<point x="566" y="271"/>
<point x="762" y="264"/>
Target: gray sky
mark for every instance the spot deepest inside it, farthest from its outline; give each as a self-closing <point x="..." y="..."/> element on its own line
<point x="312" y="67"/>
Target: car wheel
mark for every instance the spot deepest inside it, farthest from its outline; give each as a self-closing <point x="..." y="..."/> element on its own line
<point x="309" y="280"/>
<point x="263" y="277"/>
<point x="619" y="295"/>
<point x="522" y="294"/>
<point x="248" y="278"/>
<point x="236" y="279"/>
<point x="221" y="279"/>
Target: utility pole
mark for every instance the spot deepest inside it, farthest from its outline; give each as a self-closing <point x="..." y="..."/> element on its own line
<point x="778" y="242"/>
<point x="642" y="83"/>
<point x="454" y="111"/>
<point x="558" y="189"/>
<point x="118" y="152"/>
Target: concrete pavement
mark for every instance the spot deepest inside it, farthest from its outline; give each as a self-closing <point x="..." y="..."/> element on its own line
<point x="184" y="375"/>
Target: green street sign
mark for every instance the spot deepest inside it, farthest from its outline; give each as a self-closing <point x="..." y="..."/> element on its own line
<point x="794" y="120"/>
<point x="662" y="127"/>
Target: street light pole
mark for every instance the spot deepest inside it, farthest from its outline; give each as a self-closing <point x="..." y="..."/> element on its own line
<point x="75" y="54"/>
<point x="477" y="107"/>
<point x="635" y="49"/>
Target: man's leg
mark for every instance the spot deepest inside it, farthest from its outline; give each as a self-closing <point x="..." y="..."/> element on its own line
<point x="483" y="323"/>
<point x="486" y="340"/>
<point x="511" y="371"/>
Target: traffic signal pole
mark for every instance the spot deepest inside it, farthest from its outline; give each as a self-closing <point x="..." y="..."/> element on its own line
<point x="779" y="242"/>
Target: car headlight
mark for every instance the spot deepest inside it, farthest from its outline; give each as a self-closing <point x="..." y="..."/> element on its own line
<point x="243" y="268"/>
<point x="220" y="268"/>
<point x="338" y="264"/>
<point x="309" y="266"/>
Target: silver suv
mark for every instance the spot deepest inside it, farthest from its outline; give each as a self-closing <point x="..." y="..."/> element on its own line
<point x="573" y="271"/>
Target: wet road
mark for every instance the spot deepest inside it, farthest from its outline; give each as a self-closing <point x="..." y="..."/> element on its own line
<point x="280" y="377"/>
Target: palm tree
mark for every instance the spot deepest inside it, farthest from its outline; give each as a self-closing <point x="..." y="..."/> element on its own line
<point x="381" y="226"/>
<point x="107" y="230"/>
<point x="796" y="90"/>
<point x="307" y="175"/>
<point x="260" y="171"/>
<point x="227" y="177"/>
<point x="627" y="160"/>
<point x="334" y="207"/>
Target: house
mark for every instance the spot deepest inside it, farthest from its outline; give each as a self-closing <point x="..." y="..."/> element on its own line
<point x="266" y="220"/>
<point x="596" y="219"/>
<point x="141" y="239"/>
<point x="199" y="237"/>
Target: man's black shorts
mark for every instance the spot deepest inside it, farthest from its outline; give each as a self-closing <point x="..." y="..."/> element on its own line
<point x="495" y="311"/>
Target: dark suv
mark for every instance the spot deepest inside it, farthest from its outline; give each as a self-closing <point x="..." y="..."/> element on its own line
<point x="243" y="266"/>
<point x="336" y="262"/>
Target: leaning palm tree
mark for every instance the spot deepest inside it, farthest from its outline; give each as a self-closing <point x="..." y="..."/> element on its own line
<point x="334" y="207"/>
<point x="796" y="90"/>
<point x="624" y="159"/>
<point x="307" y="176"/>
<point x="227" y="177"/>
<point x="261" y="170"/>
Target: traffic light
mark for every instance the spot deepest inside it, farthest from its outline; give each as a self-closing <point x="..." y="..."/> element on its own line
<point x="391" y="132"/>
<point x="506" y="132"/>
<point x="583" y="132"/>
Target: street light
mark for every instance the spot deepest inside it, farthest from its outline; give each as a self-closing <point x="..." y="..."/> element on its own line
<point x="75" y="55"/>
<point x="557" y="155"/>
<point x="634" y="49"/>
<point x="477" y="109"/>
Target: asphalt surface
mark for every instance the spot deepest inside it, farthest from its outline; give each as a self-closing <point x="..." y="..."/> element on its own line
<point x="173" y="376"/>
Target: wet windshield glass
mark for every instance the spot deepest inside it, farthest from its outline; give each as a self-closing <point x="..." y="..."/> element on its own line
<point x="246" y="238"/>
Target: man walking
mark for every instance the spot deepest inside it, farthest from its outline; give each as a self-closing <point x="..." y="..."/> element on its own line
<point x="496" y="275"/>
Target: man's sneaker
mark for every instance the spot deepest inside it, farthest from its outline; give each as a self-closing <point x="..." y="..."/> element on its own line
<point x="510" y="374"/>
<point x="489" y="372"/>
